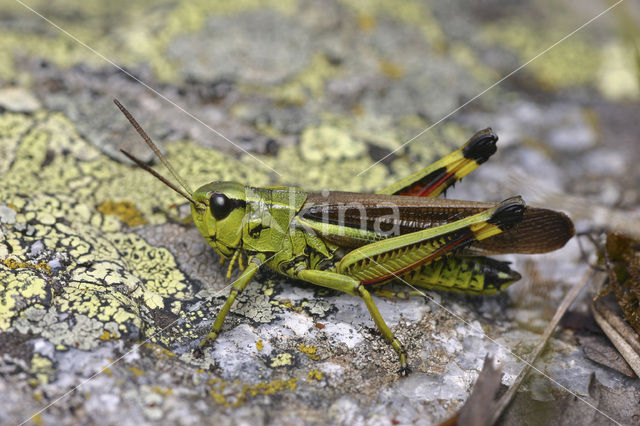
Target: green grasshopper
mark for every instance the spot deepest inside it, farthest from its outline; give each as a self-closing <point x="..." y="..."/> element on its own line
<point x="353" y="242"/>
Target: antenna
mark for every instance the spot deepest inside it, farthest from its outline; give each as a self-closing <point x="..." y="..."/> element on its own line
<point x="156" y="151"/>
<point x="158" y="176"/>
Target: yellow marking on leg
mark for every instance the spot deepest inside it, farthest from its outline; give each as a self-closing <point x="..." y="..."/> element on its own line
<point x="232" y="263"/>
<point x="485" y="230"/>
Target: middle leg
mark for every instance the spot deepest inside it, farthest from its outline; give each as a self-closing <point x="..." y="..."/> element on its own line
<point x="352" y="286"/>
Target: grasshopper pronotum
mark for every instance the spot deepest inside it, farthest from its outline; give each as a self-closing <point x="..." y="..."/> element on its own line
<point x="352" y="241"/>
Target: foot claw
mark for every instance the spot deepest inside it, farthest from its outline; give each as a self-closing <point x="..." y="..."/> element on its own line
<point x="209" y="338"/>
<point x="404" y="371"/>
<point x="404" y="366"/>
<point x="198" y="352"/>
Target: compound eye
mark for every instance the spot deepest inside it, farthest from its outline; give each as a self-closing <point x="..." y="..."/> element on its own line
<point x="220" y="206"/>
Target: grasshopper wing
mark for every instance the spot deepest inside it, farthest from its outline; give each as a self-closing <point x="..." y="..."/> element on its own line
<point x="541" y="230"/>
<point x="384" y="260"/>
<point x="351" y="220"/>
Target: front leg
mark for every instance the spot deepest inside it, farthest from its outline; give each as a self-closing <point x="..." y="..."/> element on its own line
<point x="237" y="288"/>
<point x="352" y="286"/>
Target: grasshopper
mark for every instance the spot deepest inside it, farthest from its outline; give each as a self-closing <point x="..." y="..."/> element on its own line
<point x="353" y="242"/>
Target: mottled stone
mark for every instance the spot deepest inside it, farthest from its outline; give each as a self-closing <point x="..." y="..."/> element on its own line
<point x="105" y="288"/>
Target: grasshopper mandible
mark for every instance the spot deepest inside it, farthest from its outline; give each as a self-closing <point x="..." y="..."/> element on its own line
<point x="353" y="242"/>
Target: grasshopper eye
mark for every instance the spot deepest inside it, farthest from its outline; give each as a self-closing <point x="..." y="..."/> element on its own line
<point x="220" y="206"/>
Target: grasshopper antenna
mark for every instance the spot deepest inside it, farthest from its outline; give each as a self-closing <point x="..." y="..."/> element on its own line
<point x="158" y="176"/>
<point x="187" y="193"/>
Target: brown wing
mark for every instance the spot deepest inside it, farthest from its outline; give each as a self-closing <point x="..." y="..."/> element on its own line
<point x="540" y="231"/>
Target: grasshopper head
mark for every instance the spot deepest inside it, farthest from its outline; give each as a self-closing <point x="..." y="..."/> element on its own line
<point x="218" y="208"/>
<point x="218" y="212"/>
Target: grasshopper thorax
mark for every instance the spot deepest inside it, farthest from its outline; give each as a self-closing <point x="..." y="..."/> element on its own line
<point x="221" y="219"/>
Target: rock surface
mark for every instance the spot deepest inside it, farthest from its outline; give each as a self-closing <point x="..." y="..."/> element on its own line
<point x="104" y="292"/>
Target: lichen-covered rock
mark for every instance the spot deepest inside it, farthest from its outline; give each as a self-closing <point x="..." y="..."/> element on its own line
<point x="103" y="286"/>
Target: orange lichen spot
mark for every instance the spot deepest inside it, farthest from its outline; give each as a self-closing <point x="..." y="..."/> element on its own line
<point x="125" y="210"/>
<point x="107" y="335"/>
<point x="315" y="375"/>
<point x="260" y="345"/>
<point x="136" y="371"/>
<point x="159" y="350"/>
<point x="358" y="110"/>
<point x="217" y="392"/>
<point x="309" y="351"/>
<point x="219" y="398"/>
<point x="37" y="420"/>
<point x="391" y="70"/>
<point x="366" y="22"/>
<point x="42" y="266"/>
<point x="287" y="304"/>
<point x="161" y="390"/>
<point x="268" y="388"/>
<point x="236" y="393"/>
<point x="16" y="264"/>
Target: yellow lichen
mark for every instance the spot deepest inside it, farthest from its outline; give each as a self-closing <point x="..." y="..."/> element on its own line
<point x="391" y="69"/>
<point x="16" y="264"/>
<point x="285" y="303"/>
<point x="281" y="360"/>
<point x="159" y="350"/>
<point x="308" y="84"/>
<point x="619" y="71"/>
<point x="321" y="143"/>
<point x="315" y="375"/>
<point x="19" y="285"/>
<point x="309" y="351"/>
<point x="137" y="41"/>
<point x="236" y="393"/>
<point x="573" y="62"/>
<point x="410" y="12"/>
<point x="366" y="22"/>
<point x="41" y="368"/>
<point x="268" y="388"/>
<point x="161" y="390"/>
<point x="107" y="335"/>
<point x="37" y="420"/>
<point x="136" y="371"/>
<point x="259" y="345"/>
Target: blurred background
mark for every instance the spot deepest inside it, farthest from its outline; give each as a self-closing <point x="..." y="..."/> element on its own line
<point x="341" y="95"/>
